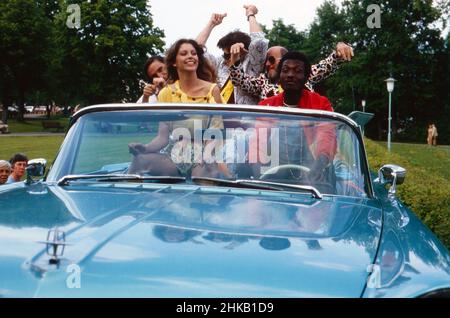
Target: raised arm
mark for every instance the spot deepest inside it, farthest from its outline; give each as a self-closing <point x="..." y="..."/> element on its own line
<point x="258" y="86"/>
<point x="257" y="49"/>
<point x="328" y="66"/>
<point x="215" y="20"/>
<point x="250" y="12"/>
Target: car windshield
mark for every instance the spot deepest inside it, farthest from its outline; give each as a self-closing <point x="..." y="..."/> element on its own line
<point x="214" y="145"/>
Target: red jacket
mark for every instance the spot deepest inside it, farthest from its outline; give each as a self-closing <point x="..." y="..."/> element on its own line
<point x="309" y="100"/>
<point x="324" y="134"/>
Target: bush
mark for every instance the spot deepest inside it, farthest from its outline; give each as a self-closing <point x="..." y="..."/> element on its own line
<point x="426" y="194"/>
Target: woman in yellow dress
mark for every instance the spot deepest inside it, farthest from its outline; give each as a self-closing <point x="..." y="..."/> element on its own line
<point x="191" y="80"/>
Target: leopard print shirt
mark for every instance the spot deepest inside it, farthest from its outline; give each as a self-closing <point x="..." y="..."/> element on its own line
<point x="261" y="87"/>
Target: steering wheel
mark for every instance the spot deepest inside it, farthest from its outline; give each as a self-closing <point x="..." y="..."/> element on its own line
<point x="277" y="169"/>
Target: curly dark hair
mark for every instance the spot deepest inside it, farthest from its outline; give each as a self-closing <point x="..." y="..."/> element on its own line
<point x="234" y="37"/>
<point x="205" y="70"/>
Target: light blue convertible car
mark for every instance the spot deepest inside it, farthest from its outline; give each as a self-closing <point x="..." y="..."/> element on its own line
<point x="214" y="201"/>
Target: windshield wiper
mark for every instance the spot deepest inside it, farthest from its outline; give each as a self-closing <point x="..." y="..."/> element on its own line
<point x="258" y="184"/>
<point x="120" y="177"/>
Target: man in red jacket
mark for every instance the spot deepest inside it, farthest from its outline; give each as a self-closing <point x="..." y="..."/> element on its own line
<point x="294" y="69"/>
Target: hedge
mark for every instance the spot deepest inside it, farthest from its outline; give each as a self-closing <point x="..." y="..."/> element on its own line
<point x="425" y="193"/>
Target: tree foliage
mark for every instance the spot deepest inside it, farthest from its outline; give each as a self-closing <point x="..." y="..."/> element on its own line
<point x="45" y="61"/>
<point x="105" y="56"/>
<point x="408" y="45"/>
<point x="285" y="35"/>
<point x="24" y="39"/>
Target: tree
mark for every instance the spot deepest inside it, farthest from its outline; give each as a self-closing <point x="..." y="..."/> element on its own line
<point x="44" y="60"/>
<point x="102" y="60"/>
<point x="285" y="35"/>
<point x="408" y="45"/>
<point x="24" y="39"/>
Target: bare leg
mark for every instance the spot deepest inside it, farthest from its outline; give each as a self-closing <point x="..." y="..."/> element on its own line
<point x="154" y="164"/>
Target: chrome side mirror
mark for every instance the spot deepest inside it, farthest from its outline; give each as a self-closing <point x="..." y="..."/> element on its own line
<point x="36" y="169"/>
<point x="391" y="174"/>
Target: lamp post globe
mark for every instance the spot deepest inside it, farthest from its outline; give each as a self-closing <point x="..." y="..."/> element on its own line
<point x="390" y="88"/>
<point x="390" y="83"/>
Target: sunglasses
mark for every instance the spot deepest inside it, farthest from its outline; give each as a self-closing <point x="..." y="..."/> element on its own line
<point x="272" y="60"/>
<point x="226" y="56"/>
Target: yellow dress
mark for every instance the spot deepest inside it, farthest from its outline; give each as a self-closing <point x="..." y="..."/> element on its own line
<point x="173" y="94"/>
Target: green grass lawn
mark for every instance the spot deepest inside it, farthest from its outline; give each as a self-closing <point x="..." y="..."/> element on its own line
<point x="34" y="147"/>
<point x="34" y="124"/>
<point x="433" y="159"/>
<point x="426" y="190"/>
<point x="107" y="150"/>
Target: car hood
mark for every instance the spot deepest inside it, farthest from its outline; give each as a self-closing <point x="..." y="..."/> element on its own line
<point x="135" y="240"/>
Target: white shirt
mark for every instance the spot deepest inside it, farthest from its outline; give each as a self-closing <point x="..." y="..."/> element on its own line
<point x="253" y="64"/>
<point x="151" y="99"/>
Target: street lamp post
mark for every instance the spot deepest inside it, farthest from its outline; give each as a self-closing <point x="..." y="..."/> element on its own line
<point x="390" y="88"/>
<point x="363" y="103"/>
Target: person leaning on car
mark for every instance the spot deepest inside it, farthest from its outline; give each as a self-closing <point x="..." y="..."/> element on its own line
<point x="294" y="69"/>
<point x="5" y="171"/>
<point x="18" y="164"/>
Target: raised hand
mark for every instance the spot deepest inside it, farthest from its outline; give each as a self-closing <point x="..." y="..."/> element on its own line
<point x="344" y="51"/>
<point x="250" y="9"/>
<point x="159" y="83"/>
<point x="149" y="90"/>
<point x="235" y="51"/>
<point x="217" y="18"/>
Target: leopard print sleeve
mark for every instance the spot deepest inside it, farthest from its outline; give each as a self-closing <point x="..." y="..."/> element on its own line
<point x="254" y="85"/>
<point x="324" y="69"/>
<point x="249" y="84"/>
<point x="269" y="89"/>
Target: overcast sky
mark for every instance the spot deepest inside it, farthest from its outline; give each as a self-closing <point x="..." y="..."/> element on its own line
<point x="182" y="18"/>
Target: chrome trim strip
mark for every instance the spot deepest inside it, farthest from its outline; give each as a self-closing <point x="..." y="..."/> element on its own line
<point x="177" y="106"/>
